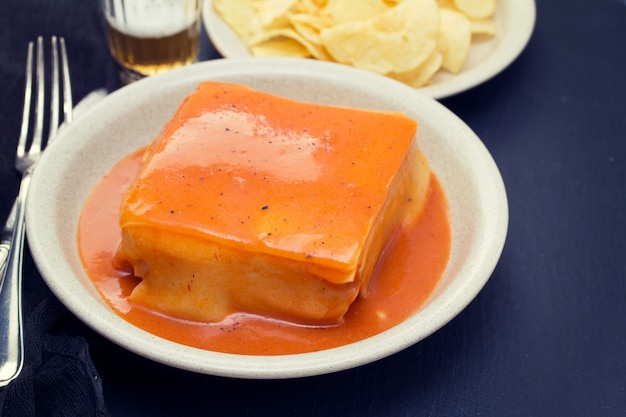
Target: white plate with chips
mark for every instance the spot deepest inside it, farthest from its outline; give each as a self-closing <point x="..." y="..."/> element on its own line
<point x="131" y="117"/>
<point x="488" y="56"/>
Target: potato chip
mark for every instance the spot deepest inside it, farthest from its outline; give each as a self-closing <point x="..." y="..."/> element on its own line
<point x="280" y="46"/>
<point x="483" y="27"/>
<point x="278" y="37"/>
<point x="476" y="9"/>
<point x="240" y="16"/>
<point x="313" y="50"/>
<point x="421" y="75"/>
<point x="455" y="38"/>
<point x="449" y="4"/>
<point x="344" y="11"/>
<point x="396" y="41"/>
<point x="311" y="7"/>
<point x="309" y="26"/>
<point x="318" y="3"/>
<point x="273" y="13"/>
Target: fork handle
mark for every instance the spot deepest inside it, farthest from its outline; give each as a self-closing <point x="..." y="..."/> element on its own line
<point x="11" y="334"/>
<point x="4" y="258"/>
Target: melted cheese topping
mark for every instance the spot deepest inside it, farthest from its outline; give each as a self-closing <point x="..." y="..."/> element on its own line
<point x="252" y="202"/>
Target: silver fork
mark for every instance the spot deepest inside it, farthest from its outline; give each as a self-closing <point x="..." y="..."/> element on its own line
<point x="12" y="235"/>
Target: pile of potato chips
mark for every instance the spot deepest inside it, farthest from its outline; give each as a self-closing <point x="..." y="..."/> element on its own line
<point x="409" y="40"/>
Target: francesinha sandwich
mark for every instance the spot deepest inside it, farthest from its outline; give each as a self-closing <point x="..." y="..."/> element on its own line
<point x="251" y="203"/>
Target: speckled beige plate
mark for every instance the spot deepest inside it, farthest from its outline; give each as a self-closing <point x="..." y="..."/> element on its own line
<point x="131" y="117"/>
<point x="515" y="21"/>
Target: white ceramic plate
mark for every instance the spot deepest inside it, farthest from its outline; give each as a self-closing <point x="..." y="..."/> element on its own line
<point x="515" y="20"/>
<point x="131" y="117"/>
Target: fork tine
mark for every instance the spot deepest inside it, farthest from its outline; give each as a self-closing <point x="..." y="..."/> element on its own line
<point x="39" y="105"/>
<point x="67" y="86"/>
<point x="28" y="91"/>
<point x="56" y="90"/>
<point x="54" y="99"/>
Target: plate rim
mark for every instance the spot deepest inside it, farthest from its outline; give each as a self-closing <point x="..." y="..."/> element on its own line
<point x="255" y="367"/>
<point x="522" y="15"/>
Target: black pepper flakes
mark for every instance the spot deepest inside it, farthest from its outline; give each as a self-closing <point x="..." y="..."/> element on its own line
<point x="264" y="208"/>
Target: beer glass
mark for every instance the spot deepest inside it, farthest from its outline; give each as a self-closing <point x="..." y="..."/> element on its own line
<point x="147" y="37"/>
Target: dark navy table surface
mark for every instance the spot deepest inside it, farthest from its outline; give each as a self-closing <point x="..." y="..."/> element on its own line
<point x="547" y="334"/>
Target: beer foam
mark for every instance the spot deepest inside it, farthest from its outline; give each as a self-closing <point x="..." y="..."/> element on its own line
<point x="151" y="18"/>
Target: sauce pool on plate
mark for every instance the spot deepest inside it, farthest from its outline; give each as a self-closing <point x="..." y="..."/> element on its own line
<point x="405" y="277"/>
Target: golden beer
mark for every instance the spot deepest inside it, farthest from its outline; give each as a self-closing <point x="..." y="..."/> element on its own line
<point x="152" y="36"/>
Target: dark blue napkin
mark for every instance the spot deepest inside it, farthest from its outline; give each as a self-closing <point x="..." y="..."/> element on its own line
<point x="59" y="378"/>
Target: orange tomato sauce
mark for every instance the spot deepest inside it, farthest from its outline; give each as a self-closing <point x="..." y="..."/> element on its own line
<point x="404" y="278"/>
